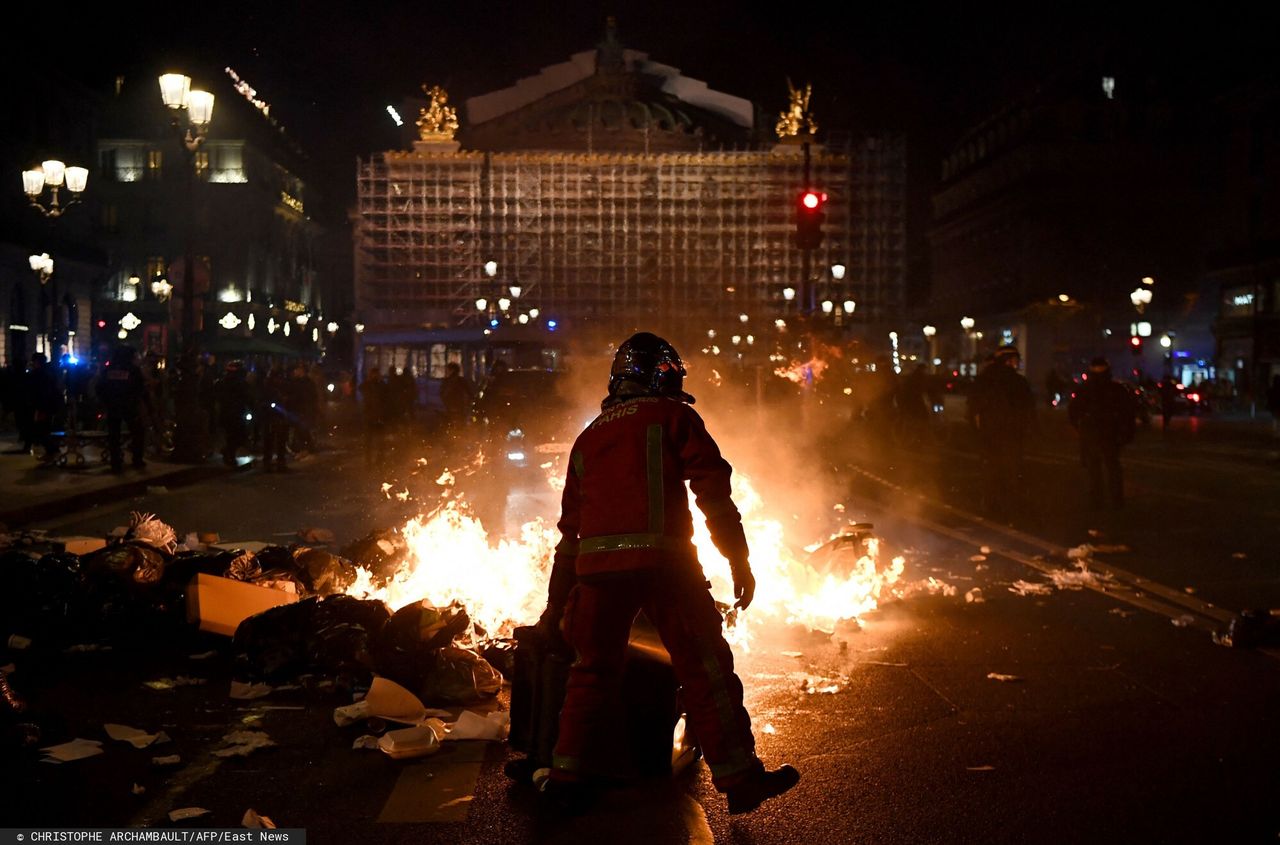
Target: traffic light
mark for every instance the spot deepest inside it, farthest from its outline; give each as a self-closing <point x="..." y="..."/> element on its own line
<point x="1135" y="345"/>
<point x="809" y="218"/>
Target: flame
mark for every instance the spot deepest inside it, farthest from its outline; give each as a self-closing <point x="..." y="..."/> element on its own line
<point x="808" y="372"/>
<point x="450" y="557"/>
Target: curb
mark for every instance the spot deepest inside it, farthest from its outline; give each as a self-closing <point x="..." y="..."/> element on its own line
<point x="43" y="510"/>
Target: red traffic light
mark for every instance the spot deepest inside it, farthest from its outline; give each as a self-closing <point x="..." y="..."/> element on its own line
<point x="1135" y="341"/>
<point x="812" y="199"/>
<point x="102" y="324"/>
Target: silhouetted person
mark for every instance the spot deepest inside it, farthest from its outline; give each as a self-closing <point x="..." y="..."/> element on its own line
<point x="273" y="412"/>
<point x="373" y="396"/>
<point x="234" y="400"/>
<point x="456" y="394"/>
<point x="1168" y="401"/>
<point x="123" y="393"/>
<point x="1002" y="410"/>
<point x="1103" y="413"/>
<point x="302" y="405"/>
<point x="913" y="404"/>
<point x="40" y="388"/>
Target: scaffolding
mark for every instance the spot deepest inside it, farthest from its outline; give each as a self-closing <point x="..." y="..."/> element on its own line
<point x="606" y="238"/>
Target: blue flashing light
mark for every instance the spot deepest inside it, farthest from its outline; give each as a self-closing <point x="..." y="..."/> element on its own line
<point x="551" y="325"/>
<point x="72" y="360"/>
<point x="1181" y="353"/>
<point x="493" y="324"/>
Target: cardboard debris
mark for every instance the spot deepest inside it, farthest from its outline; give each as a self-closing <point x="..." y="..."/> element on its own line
<point x="135" y="737"/>
<point x="974" y="596"/>
<point x="76" y="749"/>
<point x="349" y="714"/>
<point x="388" y="700"/>
<point x="170" y="760"/>
<point x="78" y="545"/>
<point x="980" y="768"/>
<point x="471" y="725"/>
<point x="137" y="790"/>
<point x="1027" y="588"/>
<point x="996" y="676"/>
<point x="163" y="684"/>
<point x="367" y="742"/>
<point x="17" y="642"/>
<point x="187" y="813"/>
<point x="220" y="604"/>
<point x="986" y="550"/>
<point x="247" y="692"/>
<point x="977" y="558"/>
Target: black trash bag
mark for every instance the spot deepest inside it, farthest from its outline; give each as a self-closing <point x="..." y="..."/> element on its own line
<point x="273" y="644"/>
<point x="380" y="552"/>
<point x="458" y="676"/>
<point x="275" y="557"/>
<point x="323" y="573"/>
<point x="342" y="643"/>
<point x="39" y="596"/>
<point x="187" y="565"/>
<point x="501" y="655"/>
<point x="244" y="567"/>
<point x="405" y="647"/>
<point x="276" y="578"/>
<point x="138" y="562"/>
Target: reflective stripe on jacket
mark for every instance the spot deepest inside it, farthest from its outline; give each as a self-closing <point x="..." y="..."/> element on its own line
<point x="624" y="505"/>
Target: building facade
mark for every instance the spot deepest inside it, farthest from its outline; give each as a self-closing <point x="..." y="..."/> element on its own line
<point x="610" y="192"/>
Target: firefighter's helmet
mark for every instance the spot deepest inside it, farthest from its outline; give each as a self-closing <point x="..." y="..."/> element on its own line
<point x="652" y="363"/>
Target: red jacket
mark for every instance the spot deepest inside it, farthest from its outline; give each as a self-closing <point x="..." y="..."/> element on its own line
<point x="624" y="505"/>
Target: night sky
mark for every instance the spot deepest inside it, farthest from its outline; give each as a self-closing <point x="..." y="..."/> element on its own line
<point x="329" y="69"/>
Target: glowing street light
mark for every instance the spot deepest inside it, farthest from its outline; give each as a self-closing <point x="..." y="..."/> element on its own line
<point x="967" y="323"/>
<point x="53" y="174"/>
<point x="482" y="304"/>
<point x="930" y="331"/>
<point x="515" y="291"/>
<point x="491" y="268"/>
<point x="788" y="294"/>
<point x="828" y="306"/>
<point x="837" y="272"/>
<point x="1141" y="298"/>
<point x="849" y="305"/>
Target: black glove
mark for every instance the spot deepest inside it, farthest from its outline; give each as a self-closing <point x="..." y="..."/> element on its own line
<point x="744" y="583"/>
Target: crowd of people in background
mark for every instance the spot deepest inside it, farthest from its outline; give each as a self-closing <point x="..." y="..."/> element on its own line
<point x="275" y="410"/>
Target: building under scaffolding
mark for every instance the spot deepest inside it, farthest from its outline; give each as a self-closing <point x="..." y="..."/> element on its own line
<point x="608" y="193"/>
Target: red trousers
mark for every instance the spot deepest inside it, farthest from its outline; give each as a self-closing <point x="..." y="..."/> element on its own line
<point x="597" y="623"/>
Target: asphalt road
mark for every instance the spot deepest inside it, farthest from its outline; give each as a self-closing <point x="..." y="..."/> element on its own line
<point x="1113" y="716"/>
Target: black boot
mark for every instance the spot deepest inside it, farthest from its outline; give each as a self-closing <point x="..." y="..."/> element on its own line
<point x="760" y="788"/>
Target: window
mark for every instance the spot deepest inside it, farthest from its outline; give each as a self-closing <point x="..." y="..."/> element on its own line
<point x="155" y="268"/>
<point x="202" y="165"/>
<point x="155" y="164"/>
<point x="107" y="163"/>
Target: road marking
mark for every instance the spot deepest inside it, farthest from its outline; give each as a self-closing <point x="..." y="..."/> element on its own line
<point x="438" y="789"/>
<point x="1164" y="600"/>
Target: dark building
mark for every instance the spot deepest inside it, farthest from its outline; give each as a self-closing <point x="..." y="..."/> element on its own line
<point x="241" y="204"/>
<point x="1056" y="207"/>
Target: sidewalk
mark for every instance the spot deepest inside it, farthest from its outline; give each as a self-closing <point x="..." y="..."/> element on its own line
<point x="31" y="492"/>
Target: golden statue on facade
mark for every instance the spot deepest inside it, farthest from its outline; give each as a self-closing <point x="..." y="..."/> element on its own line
<point x="438" y="121"/>
<point x="796" y="120"/>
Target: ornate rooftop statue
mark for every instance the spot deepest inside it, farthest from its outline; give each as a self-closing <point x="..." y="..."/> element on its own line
<point x="437" y="122"/>
<point x="796" y="120"/>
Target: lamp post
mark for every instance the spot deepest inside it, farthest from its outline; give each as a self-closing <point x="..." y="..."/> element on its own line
<point x="929" y="332"/>
<point x="52" y="175"/>
<point x="971" y="351"/>
<point x="190" y="113"/>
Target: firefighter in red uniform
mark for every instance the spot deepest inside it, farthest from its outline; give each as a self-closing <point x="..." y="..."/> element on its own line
<point x="627" y="546"/>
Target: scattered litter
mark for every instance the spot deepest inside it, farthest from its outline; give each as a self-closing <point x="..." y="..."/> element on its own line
<point x="1189" y="590"/>
<point x="76" y="749"/>
<point x="388" y="700"/>
<point x="1095" y="533"/>
<point x="283" y="707"/>
<point x="82" y="648"/>
<point x="187" y="813"/>
<point x="812" y="684"/>
<point x="974" y="596"/>
<point x="172" y="683"/>
<point x="204" y="655"/>
<point x="982" y="567"/>
<point x="135" y="737"/>
<point x="881" y="663"/>
<point x="986" y="550"/>
<point x="472" y="725"/>
<point x="792" y="654"/>
<point x="1121" y="612"/>
<point x="1079" y="578"/>
<point x="996" y="676"/>
<point x="367" y="742"/>
<point x="1112" y="549"/>
<point x="1184" y="620"/>
<point x="288" y="687"/>
<point x="1080" y="552"/>
<point x="769" y="729"/>
<point x="417" y="741"/>
<point x="1037" y="557"/>
<point x="137" y="790"/>
<point x="243" y="743"/>
<point x="170" y="760"/>
<point x="17" y="642"/>
<point x="255" y="821"/>
<point x="1026" y="588"/>
<point x="977" y="558"/>
<point x="1239" y="555"/>
<point x="247" y="692"/>
<point x="349" y="714"/>
<point x="980" y="768"/>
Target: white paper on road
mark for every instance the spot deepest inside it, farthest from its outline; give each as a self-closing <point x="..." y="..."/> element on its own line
<point x="248" y="692"/>
<point x="349" y="714"/>
<point x="1080" y="552"/>
<point x="977" y="558"/>
<point x="996" y="676"/>
<point x="187" y="813"/>
<point x="243" y="743"/>
<point x="165" y="684"/>
<point x="1184" y="620"/>
<point x="368" y="742"/>
<point x="1027" y="588"/>
<point x="472" y="725"/>
<point x="76" y="749"/>
<point x="1079" y="578"/>
<point x="974" y="596"/>
<point x="134" y="736"/>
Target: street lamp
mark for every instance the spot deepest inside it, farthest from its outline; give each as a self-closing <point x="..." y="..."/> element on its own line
<point x="1141" y="298"/>
<point x="190" y="113"/>
<point x="967" y="323"/>
<point x="837" y="272"/>
<point x="491" y="268"/>
<point x="53" y="174"/>
<point x="515" y="291"/>
<point x="788" y="294"/>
